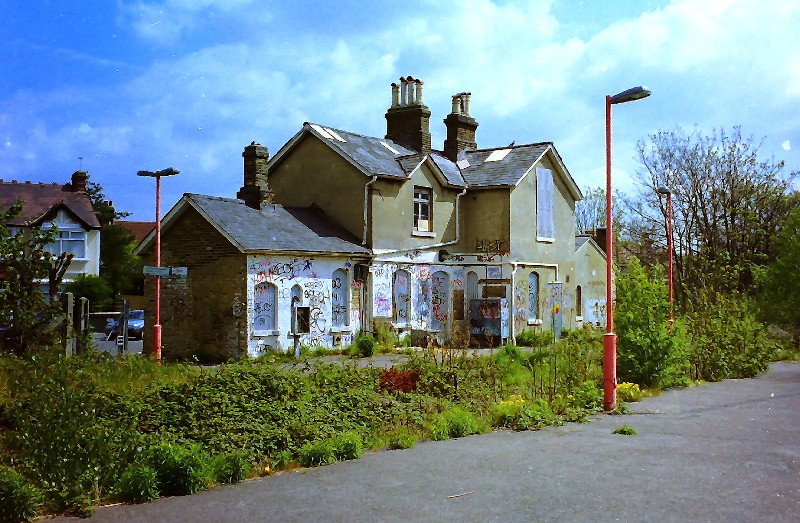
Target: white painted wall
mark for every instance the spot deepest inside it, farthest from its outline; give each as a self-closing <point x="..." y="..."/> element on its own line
<point x="314" y="277"/>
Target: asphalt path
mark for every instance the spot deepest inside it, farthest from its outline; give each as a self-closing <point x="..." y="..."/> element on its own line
<point x="727" y="451"/>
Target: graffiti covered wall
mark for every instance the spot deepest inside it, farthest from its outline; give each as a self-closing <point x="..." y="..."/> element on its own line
<point x="324" y="285"/>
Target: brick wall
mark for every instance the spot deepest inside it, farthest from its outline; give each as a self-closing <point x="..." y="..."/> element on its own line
<point x="202" y="314"/>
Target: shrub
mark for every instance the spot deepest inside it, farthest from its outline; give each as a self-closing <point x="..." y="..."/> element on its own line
<point x="365" y="346"/>
<point x="393" y="379"/>
<point x="231" y="467"/>
<point x="402" y="439"/>
<point x="317" y="453"/>
<point x="506" y="412"/>
<point x="139" y="483"/>
<point x="535" y="415"/>
<point x="629" y="392"/>
<point x="92" y="287"/>
<point x="645" y="348"/>
<point x="179" y="469"/>
<point x="454" y="423"/>
<point x="347" y="446"/>
<point x="531" y="338"/>
<point x="19" y="500"/>
<point x="588" y="396"/>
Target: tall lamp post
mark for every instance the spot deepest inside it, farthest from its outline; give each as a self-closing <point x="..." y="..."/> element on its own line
<point x="665" y="190"/>
<point x="169" y="171"/>
<point x="610" y="338"/>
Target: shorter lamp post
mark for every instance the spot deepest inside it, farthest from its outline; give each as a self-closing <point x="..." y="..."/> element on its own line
<point x="610" y="338"/>
<point x="169" y="171"/>
<point x="665" y="190"/>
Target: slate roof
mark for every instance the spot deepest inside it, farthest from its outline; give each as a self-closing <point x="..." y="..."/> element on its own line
<point x="374" y="157"/>
<point x="580" y="240"/>
<point x="42" y="201"/>
<point x="275" y="228"/>
<point x="507" y="171"/>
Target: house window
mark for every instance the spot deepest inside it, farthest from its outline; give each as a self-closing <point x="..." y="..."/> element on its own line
<point x="69" y="240"/>
<point x="422" y="209"/>
<point x="440" y="301"/>
<point x="578" y="301"/>
<point x="264" y="300"/>
<point x="402" y="296"/>
<point x="545" y="224"/>
<point x="339" y="286"/>
<point x="533" y="296"/>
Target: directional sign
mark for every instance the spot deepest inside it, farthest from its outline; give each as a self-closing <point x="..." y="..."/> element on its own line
<point x="156" y="271"/>
<point x="179" y="272"/>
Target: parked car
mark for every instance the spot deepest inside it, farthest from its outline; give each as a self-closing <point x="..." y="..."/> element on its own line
<point x="135" y="326"/>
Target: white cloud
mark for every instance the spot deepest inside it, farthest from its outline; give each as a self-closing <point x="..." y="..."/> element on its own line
<point x="786" y="145"/>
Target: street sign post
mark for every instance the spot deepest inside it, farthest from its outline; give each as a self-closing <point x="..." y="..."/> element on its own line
<point x="166" y="272"/>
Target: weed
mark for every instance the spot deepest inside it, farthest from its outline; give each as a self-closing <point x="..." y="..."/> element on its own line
<point x="139" y="483"/>
<point x="402" y="439"/>
<point x="625" y="431"/>
<point x="179" y="469"/>
<point x="231" y="467"/>
<point x="19" y="500"/>
<point x="316" y="454"/>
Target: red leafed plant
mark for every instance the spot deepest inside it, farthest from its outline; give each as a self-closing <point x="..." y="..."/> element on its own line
<point x="392" y="379"/>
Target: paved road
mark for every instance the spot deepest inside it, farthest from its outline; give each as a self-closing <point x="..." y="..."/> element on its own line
<point x="727" y="451"/>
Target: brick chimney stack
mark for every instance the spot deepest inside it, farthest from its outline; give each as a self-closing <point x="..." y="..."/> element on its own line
<point x="255" y="191"/>
<point x="78" y="183"/>
<point x="461" y="127"/>
<point x="408" y="119"/>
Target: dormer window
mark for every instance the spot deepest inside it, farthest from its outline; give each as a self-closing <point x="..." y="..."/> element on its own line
<point x="422" y="210"/>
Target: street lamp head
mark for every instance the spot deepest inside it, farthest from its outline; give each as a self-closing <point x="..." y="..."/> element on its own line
<point x="663" y="190"/>
<point x="169" y="171"/>
<point x="629" y="95"/>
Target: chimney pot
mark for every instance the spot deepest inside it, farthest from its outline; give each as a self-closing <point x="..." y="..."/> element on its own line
<point x="461" y="128"/>
<point x="79" y="181"/>
<point x="255" y="190"/>
<point x="408" y="122"/>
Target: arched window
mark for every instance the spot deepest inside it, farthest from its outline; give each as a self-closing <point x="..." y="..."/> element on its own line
<point x="264" y="310"/>
<point x="440" y="300"/>
<point x="402" y="296"/>
<point x="339" y="297"/>
<point x="578" y="301"/>
<point x="533" y="296"/>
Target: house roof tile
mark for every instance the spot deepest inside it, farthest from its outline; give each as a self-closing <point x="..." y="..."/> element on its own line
<point x="42" y="200"/>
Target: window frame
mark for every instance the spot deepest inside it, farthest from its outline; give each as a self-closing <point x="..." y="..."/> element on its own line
<point x="534" y="313"/>
<point x="419" y="203"/>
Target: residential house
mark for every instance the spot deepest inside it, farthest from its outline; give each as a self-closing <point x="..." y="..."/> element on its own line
<point x="67" y="207"/>
<point x="340" y="232"/>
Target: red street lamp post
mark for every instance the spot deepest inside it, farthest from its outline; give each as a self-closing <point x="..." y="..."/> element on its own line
<point x="169" y="171"/>
<point x="665" y="190"/>
<point x="610" y="338"/>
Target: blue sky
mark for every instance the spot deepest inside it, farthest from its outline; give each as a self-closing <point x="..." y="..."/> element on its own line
<point x="146" y="84"/>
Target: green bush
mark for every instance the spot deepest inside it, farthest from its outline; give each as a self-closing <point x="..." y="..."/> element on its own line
<point x="535" y="415"/>
<point x="317" y="453"/>
<point x="587" y="396"/>
<point x="139" y="483"/>
<point x="645" y="349"/>
<point x="347" y="446"/>
<point x="231" y="467"/>
<point x="455" y="423"/>
<point x="19" y="500"/>
<point x="92" y="287"/>
<point x="531" y="338"/>
<point x="179" y="469"/>
<point x="365" y="346"/>
<point x="401" y="439"/>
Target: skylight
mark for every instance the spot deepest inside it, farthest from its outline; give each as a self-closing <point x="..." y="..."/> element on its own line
<point x="395" y="151"/>
<point x="498" y="155"/>
<point x="463" y="163"/>
<point x="335" y="135"/>
<point x="321" y="130"/>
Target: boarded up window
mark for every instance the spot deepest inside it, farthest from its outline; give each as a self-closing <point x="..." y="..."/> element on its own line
<point x="264" y="307"/>
<point x="545" y="224"/>
<point x="339" y="287"/>
<point x="440" y="288"/>
<point x="402" y="296"/>
<point x="458" y="304"/>
<point x="533" y="296"/>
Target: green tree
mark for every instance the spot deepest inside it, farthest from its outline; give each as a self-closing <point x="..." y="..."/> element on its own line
<point x="729" y="204"/>
<point x="106" y="214"/>
<point x="24" y="264"/>
<point x="780" y="285"/>
<point x="118" y="265"/>
<point x="94" y="288"/>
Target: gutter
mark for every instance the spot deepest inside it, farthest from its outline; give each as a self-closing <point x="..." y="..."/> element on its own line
<point x="366" y="209"/>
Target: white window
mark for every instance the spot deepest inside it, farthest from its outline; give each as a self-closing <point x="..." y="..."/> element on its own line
<point x="69" y="240"/>
<point x="264" y="307"/>
<point x="422" y="209"/>
<point x="339" y="286"/>
<point x="545" y="224"/>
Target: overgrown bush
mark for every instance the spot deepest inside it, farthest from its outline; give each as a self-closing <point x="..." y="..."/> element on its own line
<point x="401" y="439"/>
<point x="347" y="446"/>
<point x="317" y="453"/>
<point x="629" y="392"/>
<point x="231" y="467"/>
<point x="179" y="469"/>
<point x="455" y="423"/>
<point x="364" y="347"/>
<point x="532" y="338"/>
<point x="19" y="500"/>
<point x="728" y="340"/>
<point x="645" y="348"/>
<point x="139" y="483"/>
